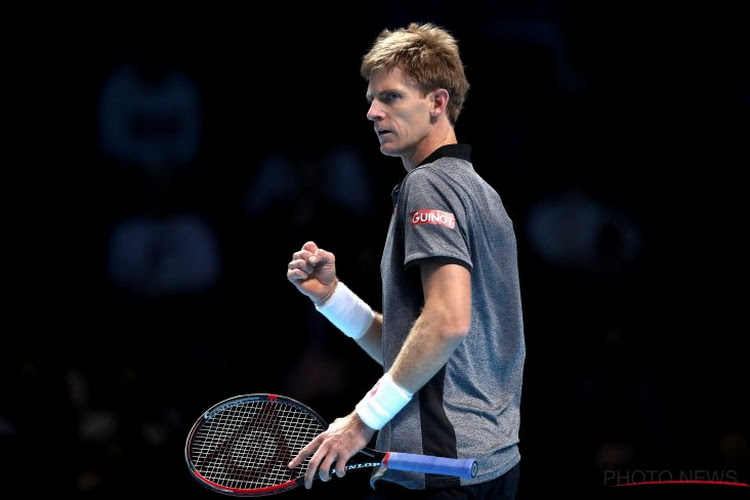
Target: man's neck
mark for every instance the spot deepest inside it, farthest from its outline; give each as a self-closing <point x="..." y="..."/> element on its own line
<point x="441" y="137"/>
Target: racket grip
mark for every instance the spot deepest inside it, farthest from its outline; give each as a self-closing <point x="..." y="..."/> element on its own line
<point x="461" y="467"/>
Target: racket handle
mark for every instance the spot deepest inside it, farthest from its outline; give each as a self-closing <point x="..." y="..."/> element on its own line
<point x="461" y="467"/>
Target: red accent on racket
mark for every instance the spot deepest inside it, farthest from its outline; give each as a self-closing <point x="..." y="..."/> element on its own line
<point x="242" y="445"/>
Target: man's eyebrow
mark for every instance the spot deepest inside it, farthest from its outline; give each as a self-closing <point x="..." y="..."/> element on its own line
<point x="371" y="96"/>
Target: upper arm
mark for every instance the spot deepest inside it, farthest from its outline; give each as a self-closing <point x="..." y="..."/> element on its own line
<point x="447" y="294"/>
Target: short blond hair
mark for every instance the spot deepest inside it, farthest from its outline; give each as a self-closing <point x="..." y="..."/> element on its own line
<point x="428" y="55"/>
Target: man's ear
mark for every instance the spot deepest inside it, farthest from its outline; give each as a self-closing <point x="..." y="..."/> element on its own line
<point x="440" y="99"/>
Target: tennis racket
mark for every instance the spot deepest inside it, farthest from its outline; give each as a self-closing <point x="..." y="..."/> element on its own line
<point x="242" y="445"/>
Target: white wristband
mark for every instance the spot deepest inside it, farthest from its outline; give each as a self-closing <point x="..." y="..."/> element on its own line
<point x="382" y="402"/>
<point x="347" y="312"/>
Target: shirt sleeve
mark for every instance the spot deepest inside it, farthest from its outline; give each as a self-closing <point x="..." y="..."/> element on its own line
<point x="435" y="218"/>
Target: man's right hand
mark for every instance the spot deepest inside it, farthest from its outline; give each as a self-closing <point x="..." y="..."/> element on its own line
<point x="313" y="271"/>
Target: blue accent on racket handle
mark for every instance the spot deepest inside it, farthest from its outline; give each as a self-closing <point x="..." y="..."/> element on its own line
<point x="461" y="467"/>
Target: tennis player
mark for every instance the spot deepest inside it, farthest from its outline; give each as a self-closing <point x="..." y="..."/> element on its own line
<point x="450" y="336"/>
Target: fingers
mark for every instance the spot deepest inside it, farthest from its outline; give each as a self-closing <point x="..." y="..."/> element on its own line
<point x="307" y="250"/>
<point x="311" y="250"/>
<point x="311" y="467"/>
<point x="305" y="261"/>
<point x="320" y="257"/>
<point x="299" y="269"/>
<point x="297" y="461"/>
<point x="301" y="255"/>
<point x="341" y="468"/>
<point x="310" y="246"/>
<point x="321" y="466"/>
<point x="321" y="463"/>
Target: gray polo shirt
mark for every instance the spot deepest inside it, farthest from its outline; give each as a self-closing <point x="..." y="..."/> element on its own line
<point x="444" y="211"/>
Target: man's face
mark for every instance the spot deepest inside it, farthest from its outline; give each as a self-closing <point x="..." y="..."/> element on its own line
<point x="401" y="115"/>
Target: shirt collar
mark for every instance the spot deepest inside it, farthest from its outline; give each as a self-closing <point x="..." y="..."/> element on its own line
<point x="461" y="151"/>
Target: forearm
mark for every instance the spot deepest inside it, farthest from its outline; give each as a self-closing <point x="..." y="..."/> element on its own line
<point x="371" y="341"/>
<point x="427" y="349"/>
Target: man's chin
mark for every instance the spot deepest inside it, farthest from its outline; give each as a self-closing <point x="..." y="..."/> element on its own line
<point x="388" y="151"/>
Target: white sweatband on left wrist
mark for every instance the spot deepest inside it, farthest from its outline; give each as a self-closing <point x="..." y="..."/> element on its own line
<point x="347" y="312"/>
<point x="382" y="402"/>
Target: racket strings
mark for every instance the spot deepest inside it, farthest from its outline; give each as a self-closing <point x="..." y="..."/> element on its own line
<point x="247" y="446"/>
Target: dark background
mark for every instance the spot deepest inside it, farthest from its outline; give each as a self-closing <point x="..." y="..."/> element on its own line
<point x="152" y="271"/>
